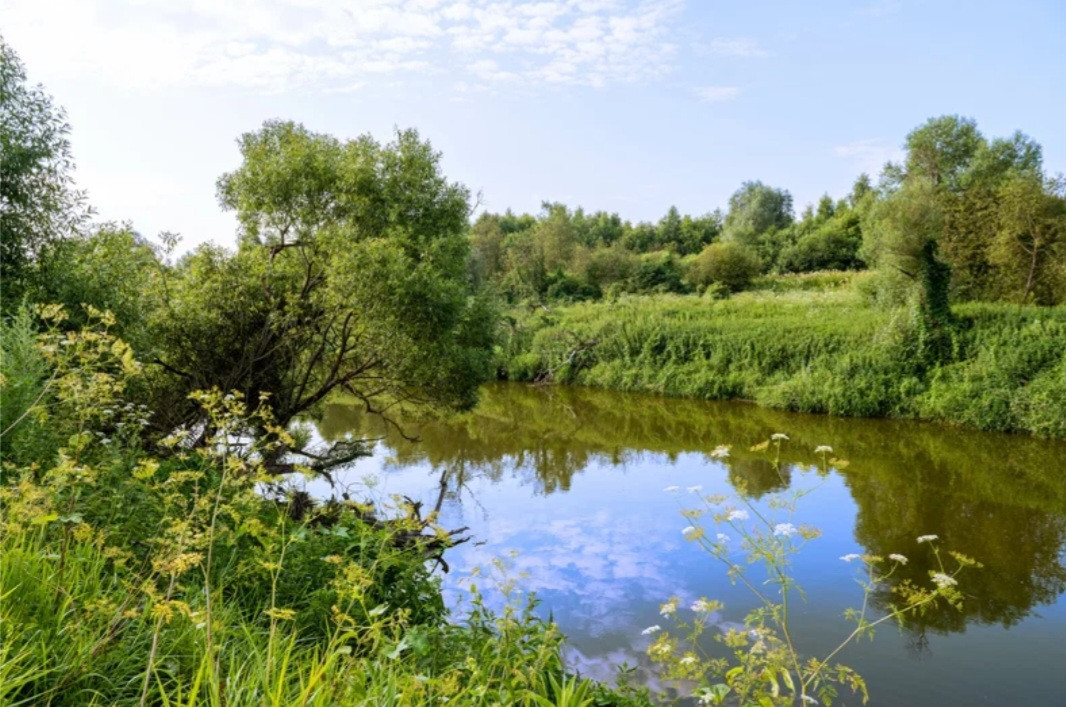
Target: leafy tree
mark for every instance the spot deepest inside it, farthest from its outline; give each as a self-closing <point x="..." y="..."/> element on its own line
<point x="351" y="275"/>
<point x="756" y="214"/>
<point x="942" y="149"/>
<point x="486" y="249"/>
<point x="1030" y="239"/>
<point x="38" y="201"/>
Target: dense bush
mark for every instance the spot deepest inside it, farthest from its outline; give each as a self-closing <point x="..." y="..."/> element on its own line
<point x="729" y="264"/>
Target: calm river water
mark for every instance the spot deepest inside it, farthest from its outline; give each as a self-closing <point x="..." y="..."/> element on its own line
<point x="567" y="486"/>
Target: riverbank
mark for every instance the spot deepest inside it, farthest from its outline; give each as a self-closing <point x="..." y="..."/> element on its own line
<point x="808" y="351"/>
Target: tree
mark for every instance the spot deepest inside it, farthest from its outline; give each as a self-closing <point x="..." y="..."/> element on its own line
<point x="942" y="149"/>
<point x="756" y="213"/>
<point x="902" y="234"/>
<point x="351" y="276"/>
<point x="1030" y="238"/>
<point x="38" y="201"/>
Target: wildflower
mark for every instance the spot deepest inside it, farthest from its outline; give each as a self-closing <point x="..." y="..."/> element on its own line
<point x="823" y="449"/>
<point x="689" y="659"/>
<point x="785" y="530"/>
<point x="651" y="630"/>
<point x="927" y="538"/>
<point x="810" y="700"/>
<point x="850" y="556"/>
<point x="737" y="515"/>
<point x="333" y="559"/>
<point x="705" y="696"/>
<point x="944" y="580"/>
<point x="779" y="437"/>
<point x="668" y="608"/>
<point x="671" y="489"/>
<point x="722" y="538"/>
<point x="694" y="489"/>
<point x="898" y="558"/>
<point x="691" y="532"/>
<point x="281" y="614"/>
<point x="720" y="452"/>
<point x="701" y="606"/>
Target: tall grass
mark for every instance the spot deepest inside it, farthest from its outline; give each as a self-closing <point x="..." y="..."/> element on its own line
<point x="810" y="351"/>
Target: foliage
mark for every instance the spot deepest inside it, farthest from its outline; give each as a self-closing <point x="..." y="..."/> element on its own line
<point x="811" y="351"/>
<point x="167" y="577"/>
<point x="38" y="201"/>
<point x="730" y="264"/>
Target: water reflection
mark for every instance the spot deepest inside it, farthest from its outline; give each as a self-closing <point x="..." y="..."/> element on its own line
<point x="573" y="477"/>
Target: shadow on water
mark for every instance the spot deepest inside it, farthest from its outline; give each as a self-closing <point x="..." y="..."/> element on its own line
<point x="998" y="498"/>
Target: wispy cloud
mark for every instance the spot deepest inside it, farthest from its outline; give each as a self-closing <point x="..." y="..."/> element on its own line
<point x="716" y="94"/>
<point x="279" y="45"/>
<point x="869" y="155"/>
<point x="736" y="46"/>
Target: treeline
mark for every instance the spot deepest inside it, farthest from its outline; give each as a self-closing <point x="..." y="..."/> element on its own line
<point x="986" y="208"/>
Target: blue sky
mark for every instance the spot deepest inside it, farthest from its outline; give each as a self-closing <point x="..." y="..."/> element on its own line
<point x="627" y="106"/>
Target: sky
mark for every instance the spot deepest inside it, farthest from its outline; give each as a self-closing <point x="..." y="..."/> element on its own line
<point x="622" y="105"/>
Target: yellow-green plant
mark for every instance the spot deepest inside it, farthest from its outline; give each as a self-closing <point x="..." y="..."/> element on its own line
<point x="765" y="662"/>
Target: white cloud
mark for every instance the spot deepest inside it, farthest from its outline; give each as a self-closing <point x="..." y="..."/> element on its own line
<point x="738" y="46"/>
<point x="277" y="45"/>
<point x="869" y="155"/>
<point x="717" y="94"/>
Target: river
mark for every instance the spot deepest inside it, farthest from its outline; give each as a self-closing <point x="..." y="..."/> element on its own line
<point x="565" y="488"/>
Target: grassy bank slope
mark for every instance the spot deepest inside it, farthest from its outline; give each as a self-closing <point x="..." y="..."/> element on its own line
<point x="808" y="351"/>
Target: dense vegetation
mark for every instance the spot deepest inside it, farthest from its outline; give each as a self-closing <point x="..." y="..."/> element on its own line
<point x="152" y="402"/>
<point x="153" y="549"/>
<point x="820" y="350"/>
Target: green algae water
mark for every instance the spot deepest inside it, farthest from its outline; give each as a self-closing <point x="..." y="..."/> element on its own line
<point x="564" y="487"/>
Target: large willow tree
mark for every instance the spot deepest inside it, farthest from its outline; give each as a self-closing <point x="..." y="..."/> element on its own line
<point x="350" y="276"/>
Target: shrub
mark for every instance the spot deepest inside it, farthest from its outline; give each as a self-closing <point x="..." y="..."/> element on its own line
<point x="729" y="263"/>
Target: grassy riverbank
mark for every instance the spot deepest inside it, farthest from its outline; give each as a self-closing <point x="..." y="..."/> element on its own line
<point x="808" y="344"/>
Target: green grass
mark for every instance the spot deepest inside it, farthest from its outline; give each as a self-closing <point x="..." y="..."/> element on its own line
<point x="809" y="344"/>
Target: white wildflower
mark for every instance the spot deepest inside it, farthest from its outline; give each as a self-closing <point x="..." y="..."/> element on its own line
<point x="720" y="452"/>
<point x="785" y="530"/>
<point x="691" y="532"/>
<point x="704" y="696"/>
<point x="689" y="660"/>
<point x="672" y="489"/>
<point x="651" y="630"/>
<point x="737" y="515"/>
<point x="779" y="437"/>
<point x="850" y="556"/>
<point x="944" y="580"/>
<point x="927" y="538"/>
<point x="694" y="489"/>
<point x="668" y="608"/>
<point x="898" y="558"/>
<point x="823" y="449"/>
<point x="701" y="606"/>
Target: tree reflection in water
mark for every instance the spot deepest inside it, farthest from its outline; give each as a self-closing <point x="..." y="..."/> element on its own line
<point x="1000" y="499"/>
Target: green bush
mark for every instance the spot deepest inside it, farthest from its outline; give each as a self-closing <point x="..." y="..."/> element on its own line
<point x="728" y="263"/>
